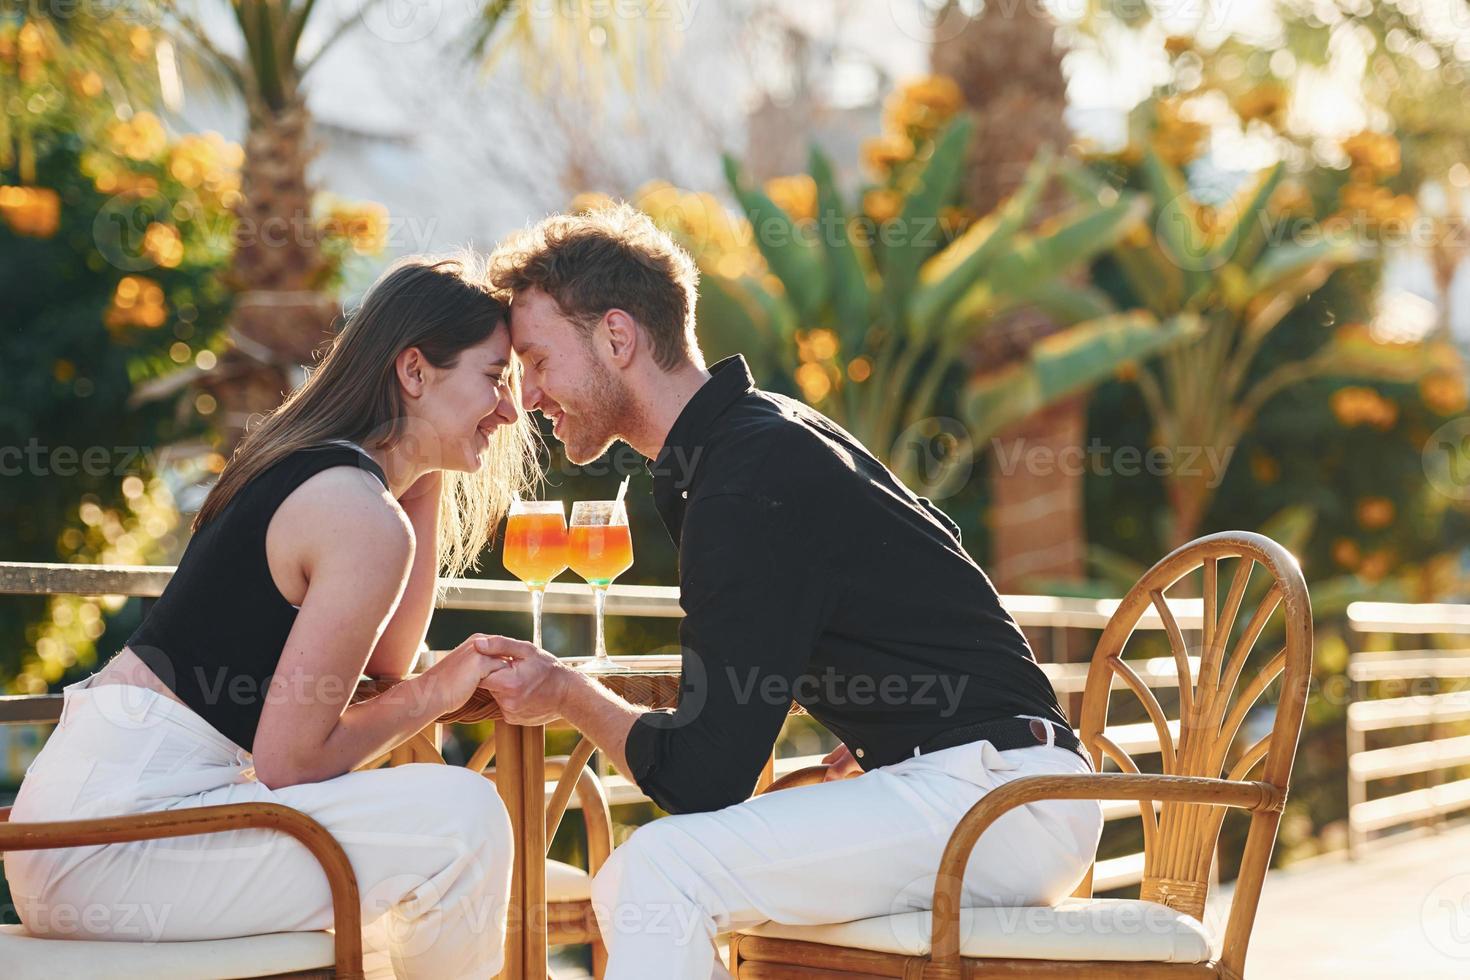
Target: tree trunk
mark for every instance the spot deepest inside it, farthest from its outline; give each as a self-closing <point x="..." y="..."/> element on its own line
<point x="1007" y="65"/>
<point x="281" y="316"/>
<point x="1037" y="509"/>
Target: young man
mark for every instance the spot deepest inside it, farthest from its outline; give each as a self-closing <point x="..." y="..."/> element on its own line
<point x="807" y="571"/>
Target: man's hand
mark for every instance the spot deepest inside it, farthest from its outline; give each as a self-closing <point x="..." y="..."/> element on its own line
<point x="840" y="763"/>
<point x="531" y="688"/>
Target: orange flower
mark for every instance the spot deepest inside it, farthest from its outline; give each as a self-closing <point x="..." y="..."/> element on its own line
<point x="1266" y="101"/>
<point x="136" y="302"/>
<point x="1373" y="155"/>
<point x="814" y="382"/>
<point x="1376" y="513"/>
<point x="590" y="201"/>
<point x="1354" y="406"/>
<point x="796" y="195"/>
<point x="882" y="153"/>
<point x="1177" y="44"/>
<point x="32" y="211"/>
<point x="162" y="244"/>
<point x="817" y="345"/>
<point x="882" y="205"/>
<point x="1346" y="553"/>
<point x="1443" y="392"/>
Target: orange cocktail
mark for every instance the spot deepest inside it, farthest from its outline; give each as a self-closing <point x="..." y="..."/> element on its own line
<point x="599" y="548"/>
<point x="599" y="553"/>
<point x="536" y="549"/>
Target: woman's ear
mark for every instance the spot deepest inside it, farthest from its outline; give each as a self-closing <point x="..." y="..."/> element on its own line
<point x="622" y="335"/>
<point x="409" y="366"/>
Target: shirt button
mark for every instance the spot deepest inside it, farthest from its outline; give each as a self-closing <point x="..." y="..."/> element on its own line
<point x="858" y="753"/>
<point x="684" y="494"/>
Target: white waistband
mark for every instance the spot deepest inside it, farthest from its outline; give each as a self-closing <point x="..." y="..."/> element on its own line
<point x="132" y="705"/>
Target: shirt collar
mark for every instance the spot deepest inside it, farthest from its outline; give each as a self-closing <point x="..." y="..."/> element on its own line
<point x="673" y="470"/>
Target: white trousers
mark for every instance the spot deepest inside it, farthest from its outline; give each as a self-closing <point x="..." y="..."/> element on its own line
<point x="843" y="850"/>
<point x="430" y="844"/>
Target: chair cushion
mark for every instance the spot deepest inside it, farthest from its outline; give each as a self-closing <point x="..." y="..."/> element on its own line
<point x="1111" y="929"/>
<point x="27" y="957"/>
<point x="567" y="883"/>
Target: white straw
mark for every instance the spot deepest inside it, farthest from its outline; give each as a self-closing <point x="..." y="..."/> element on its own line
<point x="622" y="490"/>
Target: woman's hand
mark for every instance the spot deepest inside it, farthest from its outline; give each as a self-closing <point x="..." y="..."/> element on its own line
<point x="454" y="678"/>
<point x="840" y="764"/>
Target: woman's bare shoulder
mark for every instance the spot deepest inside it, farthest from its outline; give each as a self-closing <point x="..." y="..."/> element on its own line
<point x="348" y="509"/>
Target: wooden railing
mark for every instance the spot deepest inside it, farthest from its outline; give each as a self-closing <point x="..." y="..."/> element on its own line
<point x="1049" y="614"/>
<point x="1419" y="699"/>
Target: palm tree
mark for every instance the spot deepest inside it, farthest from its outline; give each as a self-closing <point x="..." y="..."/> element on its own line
<point x="283" y="312"/>
<point x="1009" y="70"/>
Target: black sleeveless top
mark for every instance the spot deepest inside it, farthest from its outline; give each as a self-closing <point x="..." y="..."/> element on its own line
<point x="216" y="634"/>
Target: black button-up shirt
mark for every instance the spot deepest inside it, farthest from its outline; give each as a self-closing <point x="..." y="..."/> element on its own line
<point x="809" y="572"/>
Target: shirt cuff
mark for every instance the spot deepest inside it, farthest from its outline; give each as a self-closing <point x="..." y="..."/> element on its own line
<point x="641" y="747"/>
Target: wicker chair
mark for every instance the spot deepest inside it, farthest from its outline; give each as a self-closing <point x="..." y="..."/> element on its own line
<point x="569" y="918"/>
<point x="336" y="954"/>
<point x="1161" y="934"/>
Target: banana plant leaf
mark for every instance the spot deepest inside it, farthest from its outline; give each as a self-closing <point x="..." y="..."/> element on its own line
<point x="945" y="277"/>
<point x="1280" y="264"/>
<point x="1033" y="261"/>
<point x="1065" y="363"/>
<point x="743" y="315"/>
<point x="794" y="258"/>
<point x="1174" y="223"/>
<point x="1243" y="242"/>
<point x="1353" y="353"/>
<point x="848" y="264"/>
<point x="919" y="221"/>
<point x="1065" y="303"/>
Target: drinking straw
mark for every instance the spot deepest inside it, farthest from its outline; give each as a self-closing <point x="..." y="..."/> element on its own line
<point x="622" y="489"/>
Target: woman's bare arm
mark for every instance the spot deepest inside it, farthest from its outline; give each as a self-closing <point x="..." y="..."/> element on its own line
<point x="356" y="551"/>
<point x="398" y="648"/>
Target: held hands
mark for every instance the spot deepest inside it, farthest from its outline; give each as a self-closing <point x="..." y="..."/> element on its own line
<point x="840" y="764"/>
<point x="530" y="689"/>
<point x="461" y="670"/>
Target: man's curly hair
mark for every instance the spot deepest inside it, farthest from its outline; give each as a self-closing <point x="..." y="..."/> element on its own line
<point x="612" y="258"/>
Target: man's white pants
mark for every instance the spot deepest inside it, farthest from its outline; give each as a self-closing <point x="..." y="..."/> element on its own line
<point x="849" y="849"/>
<point x="430" y="845"/>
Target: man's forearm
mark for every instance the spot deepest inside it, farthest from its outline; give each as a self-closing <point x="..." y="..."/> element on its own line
<point x="601" y="716"/>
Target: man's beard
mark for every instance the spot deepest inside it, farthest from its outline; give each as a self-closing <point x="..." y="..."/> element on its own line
<point x="610" y="412"/>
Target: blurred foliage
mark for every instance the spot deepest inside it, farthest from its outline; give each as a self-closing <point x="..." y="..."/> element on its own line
<point x="111" y="235"/>
<point x="870" y="315"/>
<point x="1242" y="265"/>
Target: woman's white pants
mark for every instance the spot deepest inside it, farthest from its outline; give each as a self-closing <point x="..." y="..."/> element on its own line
<point x="849" y="849"/>
<point x="430" y="844"/>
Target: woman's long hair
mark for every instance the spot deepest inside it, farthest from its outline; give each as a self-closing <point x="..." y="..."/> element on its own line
<point x="441" y="307"/>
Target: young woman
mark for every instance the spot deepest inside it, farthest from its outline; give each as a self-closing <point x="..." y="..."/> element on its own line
<point x="313" y="560"/>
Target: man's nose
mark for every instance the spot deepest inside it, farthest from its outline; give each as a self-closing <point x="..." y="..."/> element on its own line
<point x="530" y="392"/>
<point x="508" y="409"/>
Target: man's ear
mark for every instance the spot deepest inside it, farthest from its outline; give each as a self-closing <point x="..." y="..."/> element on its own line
<point x="622" y="335"/>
